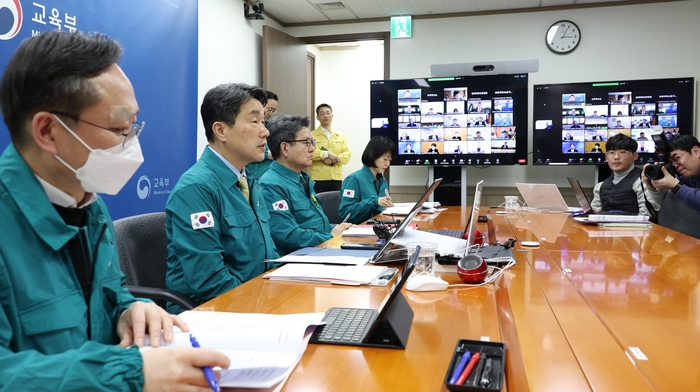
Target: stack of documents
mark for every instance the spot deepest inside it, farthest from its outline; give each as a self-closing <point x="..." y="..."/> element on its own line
<point x="616" y="220"/>
<point x="367" y="231"/>
<point x="346" y="275"/>
<point x="405" y="208"/>
<point x="327" y="256"/>
<point x="264" y="349"/>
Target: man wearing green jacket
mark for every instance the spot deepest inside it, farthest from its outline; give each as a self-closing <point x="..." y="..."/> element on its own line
<point x="296" y="215"/>
<point x="215" y="219"/>
<point x="66" y="319"/>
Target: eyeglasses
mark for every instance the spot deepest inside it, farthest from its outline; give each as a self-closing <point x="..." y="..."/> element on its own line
<point x="307" y="142"/>
<point x="129" y="133"/>
<point x="325" y="113"/>
<point x="621" y="153"/>
<point x="271" y="110"/>
<point x="674" y="159"/>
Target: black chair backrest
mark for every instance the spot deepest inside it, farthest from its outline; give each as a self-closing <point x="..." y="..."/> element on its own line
<point x="143" y="250"/>
<point x="331" y="201"/>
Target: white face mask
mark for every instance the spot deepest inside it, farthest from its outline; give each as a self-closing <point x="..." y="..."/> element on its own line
<point x="107" y="171"/>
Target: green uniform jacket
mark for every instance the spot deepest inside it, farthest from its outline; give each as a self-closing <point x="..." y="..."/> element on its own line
<point x="338" y="145"/>
<point x="44" y="344"/>
<point x="208" y="256"/>
<point x="257" y="169"/>
<point x="359" y="195"/>
<point x="296" y="215"/>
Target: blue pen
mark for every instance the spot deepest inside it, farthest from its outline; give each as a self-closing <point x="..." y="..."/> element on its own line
<point x="346" y="218"/>
<point x="460" y="367"/>
<point x="208" y="373"/>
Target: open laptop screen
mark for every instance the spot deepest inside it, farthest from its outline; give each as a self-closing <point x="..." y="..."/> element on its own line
<point x="402" y="226"/>
<point x="473" y="218"/>
<point x="580" y="195"/>
<point x="544" y="197"/>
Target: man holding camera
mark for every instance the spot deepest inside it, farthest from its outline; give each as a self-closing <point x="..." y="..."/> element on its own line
<point x="680" y="208"/>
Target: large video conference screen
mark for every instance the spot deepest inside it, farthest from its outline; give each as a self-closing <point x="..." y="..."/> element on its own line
<point x="460" y="120"/>
<point x="574" y="120"/>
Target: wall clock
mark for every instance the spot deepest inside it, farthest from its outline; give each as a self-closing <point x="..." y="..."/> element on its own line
<point x="563" y="37"/>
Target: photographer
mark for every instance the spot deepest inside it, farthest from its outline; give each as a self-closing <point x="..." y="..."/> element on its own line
<point x="680" y="208"/>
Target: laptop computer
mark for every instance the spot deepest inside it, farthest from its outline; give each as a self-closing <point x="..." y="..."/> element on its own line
<point x="487" y="252"/>
<point x="580" y="196"/>
<point x="387" y="326"/>
<point x="388" y="255"/>
<point x="456" y="247"/>
<point x="544" y="197"/>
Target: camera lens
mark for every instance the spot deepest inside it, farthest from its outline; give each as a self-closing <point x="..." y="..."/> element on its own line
<point x="654" y="172"/>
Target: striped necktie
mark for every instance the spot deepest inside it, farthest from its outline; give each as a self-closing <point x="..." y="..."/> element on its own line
<point x="243" y="185"/>
<point x="305" y="185"/>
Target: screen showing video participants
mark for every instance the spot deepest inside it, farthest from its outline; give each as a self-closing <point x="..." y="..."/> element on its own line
<point x="574" y="121"/>
<point x="460" y="120"/>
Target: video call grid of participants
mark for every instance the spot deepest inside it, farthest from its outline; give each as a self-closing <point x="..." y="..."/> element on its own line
<point x="455" y="125"/>
<point x="586" y="126"/>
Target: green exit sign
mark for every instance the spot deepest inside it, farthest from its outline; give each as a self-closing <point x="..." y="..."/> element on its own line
<point x="401" y="26"/>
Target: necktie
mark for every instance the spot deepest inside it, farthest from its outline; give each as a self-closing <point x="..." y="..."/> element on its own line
<point x="305" y="185"/>
<point x="243" y="185"/>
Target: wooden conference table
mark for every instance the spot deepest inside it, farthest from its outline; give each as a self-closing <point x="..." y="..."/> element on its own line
<point x="589" y="309"/>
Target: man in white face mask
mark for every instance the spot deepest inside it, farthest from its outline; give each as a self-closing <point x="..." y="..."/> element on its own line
<point x="66" y="321"/>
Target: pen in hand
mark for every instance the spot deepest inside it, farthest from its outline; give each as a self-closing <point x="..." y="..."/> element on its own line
<point x="346" y="218"/>
<point x="208" y="373"/>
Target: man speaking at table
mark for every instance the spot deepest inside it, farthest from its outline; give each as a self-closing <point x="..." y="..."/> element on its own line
<point x="216" y="219"/>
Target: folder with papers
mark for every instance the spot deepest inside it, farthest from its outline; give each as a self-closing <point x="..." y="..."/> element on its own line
<point x="336" y="274"/>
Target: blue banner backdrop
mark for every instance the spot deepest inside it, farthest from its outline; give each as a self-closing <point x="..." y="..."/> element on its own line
<point x="159" y="38"/>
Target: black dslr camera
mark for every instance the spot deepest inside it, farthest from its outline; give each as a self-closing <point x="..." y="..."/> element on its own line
<point x="663" y="151"/>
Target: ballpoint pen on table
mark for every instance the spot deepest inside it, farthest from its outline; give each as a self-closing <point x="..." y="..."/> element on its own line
<point x="460" y="367"/>
<point x="208" y="373"/>
<point x="346" y="218"/>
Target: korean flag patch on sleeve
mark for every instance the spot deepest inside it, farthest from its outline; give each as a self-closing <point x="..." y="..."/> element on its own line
<point x="349" y="193"/>
<point x="280" y="205"/>
<point x="202" y="220"/>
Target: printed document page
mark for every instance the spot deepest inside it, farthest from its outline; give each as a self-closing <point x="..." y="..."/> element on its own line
<point x="263" y="348"/>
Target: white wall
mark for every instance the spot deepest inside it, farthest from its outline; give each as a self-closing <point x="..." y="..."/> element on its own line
<point x="230" y="50"/>
<point x="624" y="42"/>
<point x="342" y="81"/>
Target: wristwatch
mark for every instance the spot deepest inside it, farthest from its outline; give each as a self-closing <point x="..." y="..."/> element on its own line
<point x="676" y="188"/>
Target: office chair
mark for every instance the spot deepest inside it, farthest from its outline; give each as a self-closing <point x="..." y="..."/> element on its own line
<point x="143" y="252"/>
<point x="331" y="201"/>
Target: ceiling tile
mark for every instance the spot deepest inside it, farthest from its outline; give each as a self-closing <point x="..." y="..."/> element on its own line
<point x="343" y="14"/>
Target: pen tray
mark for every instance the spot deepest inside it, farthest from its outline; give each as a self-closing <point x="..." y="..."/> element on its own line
<point x="494" y="350"/>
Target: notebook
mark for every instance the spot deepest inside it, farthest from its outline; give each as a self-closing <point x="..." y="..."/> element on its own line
<point x="388" y="255"/>
<point x="580" y="196"/>
<point x="544" y="197"/>
<point x="386" y="327"/>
